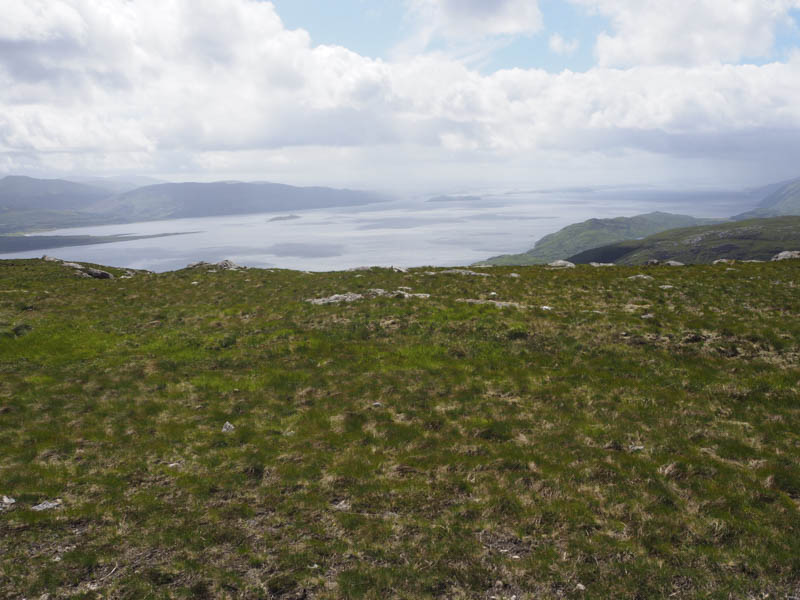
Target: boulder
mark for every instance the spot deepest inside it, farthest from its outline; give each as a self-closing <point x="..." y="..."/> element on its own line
<point x="561" y="264"/>
<point x="653" y="262"/>
<point x="787" y="255"/>
<point x="228" y="427"/>
<point x="640" y="277"/>
<point x="674" y="263"/>
<point x="597" y="264"/>
<point x="51" y="259"/>
<point x="48" y="505"/>
<point x="723" y="261"/>
<point x="97" y="273"/>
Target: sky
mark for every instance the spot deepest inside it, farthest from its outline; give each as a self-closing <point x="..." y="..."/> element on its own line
<point x="404" y="95"/>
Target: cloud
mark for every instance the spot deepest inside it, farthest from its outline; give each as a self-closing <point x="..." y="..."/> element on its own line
<point x="222" y="87"/>
<point x="687" y="33"/>
<point x="460" y="19"/>
<point x="559" y="45"/>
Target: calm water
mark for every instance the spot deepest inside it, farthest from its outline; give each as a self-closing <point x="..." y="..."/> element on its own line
<point x="402" y="233"/>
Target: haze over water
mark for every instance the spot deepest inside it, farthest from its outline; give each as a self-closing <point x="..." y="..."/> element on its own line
<point x="403" y="233"/>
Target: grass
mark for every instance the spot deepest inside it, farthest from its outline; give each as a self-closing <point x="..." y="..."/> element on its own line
<point x="403" y="448"/>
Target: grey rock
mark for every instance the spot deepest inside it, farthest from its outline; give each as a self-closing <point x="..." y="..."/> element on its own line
<point x="597" y="264"/>
<point x="51" y="259"/>
<point x="561" y="264"/>
<point x="98" y="274"/>
<point x="227" y="265"/>
<point x="787" y="255"/>
<point x="674" y="263"/>
<point x="723" y="261"/>
<point x="462" y="272"/>
<point x="514" y="275"/>
<point x="48" y="505"/>
<point x="667" y="287"/>
<point x="640" y="277"/>
<point x="228" y="427"/>
<point x="653" y="262"/>
<point x="336" y="299"/>
<point x="496" y="303"/>
<point x="72" y="265"/>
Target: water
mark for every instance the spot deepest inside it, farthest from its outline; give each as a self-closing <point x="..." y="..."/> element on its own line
<point x="404" y="233"/>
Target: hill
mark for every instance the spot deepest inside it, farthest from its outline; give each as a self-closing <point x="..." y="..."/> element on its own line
<point x="209" y="433"/>
<point x="594" y="233"/>
<point x="755" y="239"/>
<point x="183" y="200"/>
<point x="19" y="193"/>
<point x="785" y="200"/>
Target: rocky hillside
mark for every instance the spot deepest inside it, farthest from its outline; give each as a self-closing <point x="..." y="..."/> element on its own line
<point x="528" y="432"/>
<point x="755" y="239"/>
<point x="593" y="234"/>
<point x="783" y="201"/>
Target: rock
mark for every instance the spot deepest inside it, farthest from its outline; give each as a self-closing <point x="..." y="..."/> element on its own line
<point x="546" y="308"/>
<point x="227" y="265"/>
<point x="561" y="264"/>
<point x="580" y="587"/>
<point x="492" y="294"/>
<point x="640" y="277"/>
<point x="83" y="274"/>
<point x="462" y="272"/>
<point x="648" y="316"/>
<point x="787" y="255"/>
<point x="636" y="448"/>
<point x="597" y="264"/>
<point x="336" y="299"/>
<point x="667" y="287"/>
<point x="752" y="261"/>
<point x="723" y="261"/>
<point x="48" y="505"/>
<point x="399" y="270"/>
<point x="51" y="259"/>
<point x="228" y="427"/>
<point x="674" y="263"/>
<point x="496" y="303"/>
<point x="376" y="405"/>
<point x="514" y="275"/>
<point x="653" y="262"/>
<point x="6" y="503"/>
<point x="98" y="274"/>
<point x="8" y="500"/>
<point x="195" y="283"/>
<point x="72" y="265"/>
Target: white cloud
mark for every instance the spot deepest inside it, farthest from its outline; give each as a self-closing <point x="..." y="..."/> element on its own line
<point x="684" y="32"/>
<point x="471" y="18"/>
<point x="176" y="86"/>
<point x="562" y="46"/>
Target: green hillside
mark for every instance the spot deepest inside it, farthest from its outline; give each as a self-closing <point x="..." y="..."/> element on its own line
<point x="783" y="201"/>
<point x="754" y="239"/>
<point x="538" y="434"/>
<point x="594" y="233"/>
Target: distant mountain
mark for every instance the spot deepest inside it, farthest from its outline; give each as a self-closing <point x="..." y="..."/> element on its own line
<point x="595" y="233"/>
<point x="117" y="184"/>
<point x="783" y="200"/>
<point x="185" y="200"/>
<point x="18" y="193"/>
<point x="29" y="204"/>
<point x="754" y="239"/>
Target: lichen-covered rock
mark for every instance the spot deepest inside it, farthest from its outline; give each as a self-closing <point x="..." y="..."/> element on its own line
<point x="561" y="264"/>
<point x="787" y="255"/>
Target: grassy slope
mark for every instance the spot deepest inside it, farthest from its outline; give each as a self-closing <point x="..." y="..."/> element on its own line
<point x="595" y="233"/>
<point x="512" y="452"/>
<point x="756" y="239"/>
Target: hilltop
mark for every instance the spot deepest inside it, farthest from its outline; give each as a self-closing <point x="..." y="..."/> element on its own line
<point x="754" y="239"/>
<point x="785" y="200"/>
<point x="528" y="433"/>
<point x="595" y="233"/>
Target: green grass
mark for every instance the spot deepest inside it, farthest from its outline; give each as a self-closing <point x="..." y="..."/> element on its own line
<point x="401" y="448"/>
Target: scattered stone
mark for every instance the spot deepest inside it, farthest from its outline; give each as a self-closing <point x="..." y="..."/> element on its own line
<point x="667" y="287"/>
<point x="787" y="255"/>
<point x="561" y="264"/>
<point x="376" y="405"/>
<point x="634" y="448"/>
<point x="72" y="265"/>
<point x="753" y="261"/>
<point x="649" y="316"/>
<point x="228" y="427"/>
<point x="461" y="272"/>
<point x="492" y="294"/>
<point x="580" y="587"/>
<point x="98" y="274"/>
<point x="723" y="261"/>
<point x="8" y="500"/>
<point x="336" y="299"/>
<point x="404" y="288"/>
<point x="640" y="277"/>
<point x="514" y="275"/>
<point x="51" y="259"/>
<point x="399" y="270"/>
<point x="227" y="265"/>
<point x="547" y="308"/>
<point x="195" y="283"/>
<point x="48" y="505"/>
<point x="674" y="263"/>
<point x="496" y="303"/>
<point x="6" y="503"/>
<point x="597" y="264"/>
<point x="653" y="262"/>
<point x="342" y="505"/>
<point x="174" y="465"/>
